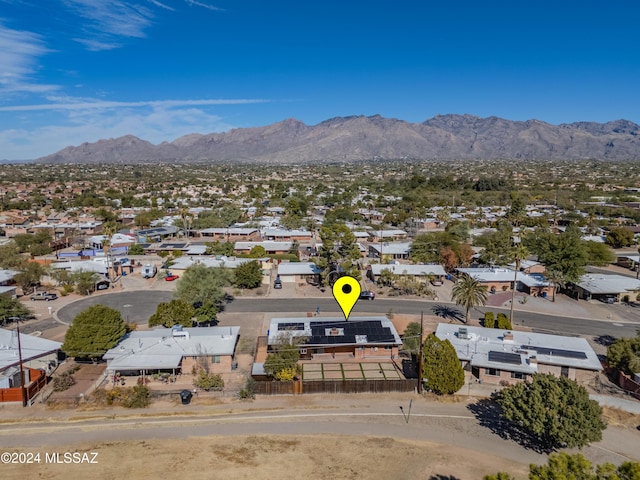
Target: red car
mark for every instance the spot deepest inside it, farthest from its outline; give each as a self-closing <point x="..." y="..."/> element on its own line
<point x="171" y="278"/>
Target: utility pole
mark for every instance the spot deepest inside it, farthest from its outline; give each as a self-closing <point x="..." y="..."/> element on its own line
<point x="420" y="355"/>
<point x="22" y="387"/>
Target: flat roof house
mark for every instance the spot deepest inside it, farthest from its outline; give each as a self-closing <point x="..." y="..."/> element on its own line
<point x="39" y="357"/>
<point x="598" y="286"/>
<point x="174" y="349"/>
<point x="498" y="356"/>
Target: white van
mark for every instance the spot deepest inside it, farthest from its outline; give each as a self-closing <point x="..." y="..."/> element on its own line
<point x="149" y="270"/>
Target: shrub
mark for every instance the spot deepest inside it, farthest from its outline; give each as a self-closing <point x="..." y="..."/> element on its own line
<point x="248" y="392"/>
<point x="208" y="381"/>
<point x="128" y="397"/>
<point x="503" y="322"/>
<point x="489" y="320"/>
<point x="63" y="382"/>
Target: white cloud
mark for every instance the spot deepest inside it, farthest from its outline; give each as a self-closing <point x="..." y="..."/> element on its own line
<point x="19" y="52"/>
<point x="203" y="5"/>
<point x="70" y="103"/>
<point x="162" y="5"/>
<point x="156" y="124"/>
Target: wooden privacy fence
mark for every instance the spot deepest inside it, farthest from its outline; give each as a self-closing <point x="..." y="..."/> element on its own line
<point x="38" y="381"/>
<point x="334" y="386"/>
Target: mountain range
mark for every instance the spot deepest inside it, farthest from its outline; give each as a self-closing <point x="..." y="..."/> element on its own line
<point x="359" y="138"/>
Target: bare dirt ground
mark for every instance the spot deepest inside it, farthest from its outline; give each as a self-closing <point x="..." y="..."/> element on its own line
<point x="265" y="457"/>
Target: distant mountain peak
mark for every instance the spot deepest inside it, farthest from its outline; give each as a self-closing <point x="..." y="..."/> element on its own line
<point x="359" y="137"/>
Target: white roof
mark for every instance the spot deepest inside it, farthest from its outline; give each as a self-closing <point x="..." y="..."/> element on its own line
<point x="182" y="263"/>
<point x="419" y="270"/>
<point x="298" y="268"/>
<point x="268" y="245"/>
<point x="386" y="233"/>
<point x="229" y="231"/>
<point x="599" y="283"/>
<point x="486" y="347"/>
<point x="196" y="250"/>
<point x="84" y="265"/>
<point x="163" y="348"/>
<point x="280" y="232"/>
<point x="7" y="275"/>
<point x="31" y="347"/>
<point x="398" y="248"/>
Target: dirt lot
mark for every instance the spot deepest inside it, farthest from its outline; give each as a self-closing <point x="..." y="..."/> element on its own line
<point x="286" y="457"/>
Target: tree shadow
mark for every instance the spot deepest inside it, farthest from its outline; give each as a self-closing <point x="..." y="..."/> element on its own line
<point x="439" y="476"/>
<point x="487" y="412"/>
<point x="448" y="313"/>
<point x="605" y="340"/>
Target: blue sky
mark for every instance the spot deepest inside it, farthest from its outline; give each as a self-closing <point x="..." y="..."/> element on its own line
<point x="74" y="71"/>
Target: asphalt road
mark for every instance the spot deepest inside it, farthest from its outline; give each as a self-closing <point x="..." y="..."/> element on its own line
<point x="138" y="306"/>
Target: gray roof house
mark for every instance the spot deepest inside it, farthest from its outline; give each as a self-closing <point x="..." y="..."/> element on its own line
<point x="498" y="356"/>
<point x="173" y="349"/>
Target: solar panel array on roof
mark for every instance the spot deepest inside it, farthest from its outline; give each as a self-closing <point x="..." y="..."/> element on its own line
<point x="504" y="357"/>
<point x="291" y="326"/>
<point x="173" y="245"/>
<point x="373" y="330"/>
<point x="557" y="352"/>
<point x="145" y="245"/>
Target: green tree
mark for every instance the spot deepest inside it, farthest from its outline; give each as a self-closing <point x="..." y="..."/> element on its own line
<point x="599" y="254"/>
<point x="441" y="369"/>
<point x="11" y="307"/>
<point x="498" y="245"/>
<point x="29" y="276"/>
<point x="200" y="284"/>
<point x="489" y="320"/>
<point x="498" y="476"/>
<point x="93" y="332"/>
<point x="557" y="279"/>
<point x="519" y="253"/>
<point x="10" y="256"/>
<point x="565" y="253"/>
<point x="503" y="322"/>
<point x="556" y="411"/>
<point x="175" y="312"/>
<point x="248" y="275"/>
<point x="619" y="237"/>
<point x="411" y="339"/>
<point x="257" y="252"/>
<point x="469" y="293"/>
<point x="624" y="354"/>
<point x="136" y="249"/>
<point x="206" y="313"/>
<point x="282" y="362"/>
<point x="84" y="281"/>
<point x="339" y="249"/>
<point x="219" y="248"/>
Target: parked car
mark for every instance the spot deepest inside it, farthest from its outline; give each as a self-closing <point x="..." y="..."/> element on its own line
<point x="171" y="278"/>
<point x="278" y="283"/>
<point x="367" y="295"/>
<point x="46" y="296"/>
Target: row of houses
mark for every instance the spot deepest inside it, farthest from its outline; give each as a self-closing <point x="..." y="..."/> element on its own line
<point x="487" y="355"/>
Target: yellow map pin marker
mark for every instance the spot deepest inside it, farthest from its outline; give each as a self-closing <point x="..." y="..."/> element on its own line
<point x="346" y="291"/>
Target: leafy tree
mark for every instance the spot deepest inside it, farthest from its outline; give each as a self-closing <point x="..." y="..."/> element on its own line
<point x="624" y="354"/>
<point x="565" y="466"/>
<point x="248" y="275"/>
<point x="136" y="249"/>
<point x="282" y="362"/>
<point x="175" y="312"/>
<point x="489" y="320"/>
<point x="84" y="281"/>
<point x="10" y="256"/>
<point x="565" y="253"/>
<point x="469" y="293"/>
<point x="503" y="322"/>
<point x="557" y="279"/>
<point x="411" y="338"/>
<point x="35" y="244"/>
<point x="339" y="249"/>
<point x="93" y="332"/>
<point x="206" y="313"/>
<point x="516" y="211"/>
<point x="208" y="381"/>
<point x="11" y="307"/>
<point x="218" y="248"/>
<point x="386" y="278"/>
<point x="619" y="237"/>
<point x="556" y="411"/>
<point x="257" y="252"/>
<point x="29" y="276"/>
<point x="201" y="284"/>
<point x="441" y="369"/>
<point x="599" y="254"/>
<point x="498" y="245"/>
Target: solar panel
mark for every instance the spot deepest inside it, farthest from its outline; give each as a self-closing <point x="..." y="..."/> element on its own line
<point x="504" y="357"/>
<point x="557" y="352"/>
<point x="291" y="326"/>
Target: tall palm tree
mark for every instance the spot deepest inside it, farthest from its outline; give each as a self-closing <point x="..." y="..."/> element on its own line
<point x="556" y="277"/>
<point x="469" y="293"/>
<point x="519" y="253"/>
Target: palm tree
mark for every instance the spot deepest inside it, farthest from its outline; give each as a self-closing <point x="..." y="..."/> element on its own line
<point x="469" y="293"/>
<point x="556" y="277"/>
<point x="519" y="253"/>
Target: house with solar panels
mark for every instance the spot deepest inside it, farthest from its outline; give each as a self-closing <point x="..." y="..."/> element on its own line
<point x="360" y="338"/>
<point x="496" y="356"/>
